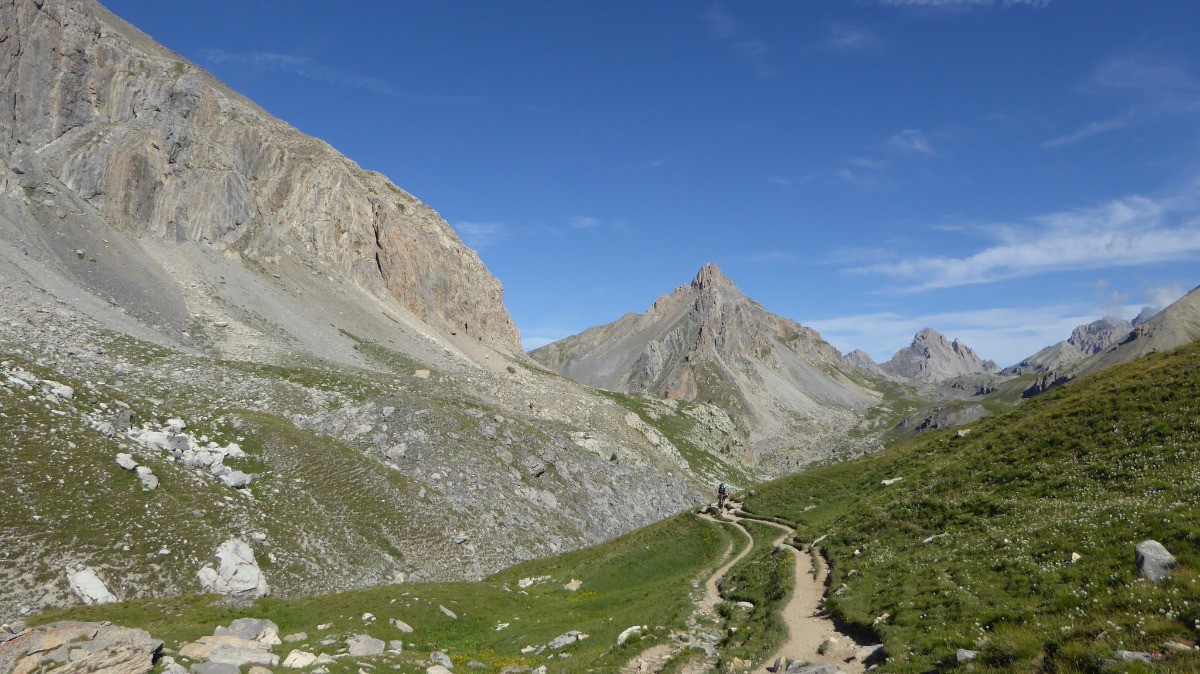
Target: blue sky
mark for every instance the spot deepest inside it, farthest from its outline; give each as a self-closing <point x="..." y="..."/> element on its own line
<point x="999" y="170"/>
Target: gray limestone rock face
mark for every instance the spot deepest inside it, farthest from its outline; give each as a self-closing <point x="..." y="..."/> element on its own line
<point x="86" y="584"/>
<point x="932" y="358"/>
<point x="1154" y="562"/>
<point x="237" y="574"/>
<point x="161" y="148"/>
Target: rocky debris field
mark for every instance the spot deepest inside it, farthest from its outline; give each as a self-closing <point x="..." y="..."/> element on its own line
<point x="138" y="460"/>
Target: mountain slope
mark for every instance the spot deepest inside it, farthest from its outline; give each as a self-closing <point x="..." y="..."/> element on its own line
<point x="151" y="145"/>
<point x="168" y="251"/>
<point x="932" y="358"/>
<point x="708" y="341"/>
<point x="1016" y="538"/>
<point x="1085" y="340"/>
<point x="1172" y="327"/>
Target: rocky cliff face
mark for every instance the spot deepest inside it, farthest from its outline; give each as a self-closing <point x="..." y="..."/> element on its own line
<point x="157" y="147"/>
<point x="1085" y="340"/>
<point x="932" y="358"/>
<point x="1170" y="328"/>
<point x="708" y="341"/>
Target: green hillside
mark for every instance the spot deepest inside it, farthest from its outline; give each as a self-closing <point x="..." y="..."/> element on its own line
<point x="972" y="548"/>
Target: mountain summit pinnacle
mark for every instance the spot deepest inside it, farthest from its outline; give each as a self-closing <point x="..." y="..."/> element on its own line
<point x="710" y="275"/>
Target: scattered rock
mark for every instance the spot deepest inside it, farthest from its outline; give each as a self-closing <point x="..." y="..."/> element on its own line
<point x="440" y="658"/>
<point x="395" y="646"/>
<point x="214" y="668"/>
<point x="891" y="481"/>
<point x="148" y="479"/>
<point x="436" y="669"/>
<point x="260" y="670"/>
<point x="964" y="655"/>
<point x="564" y="640"/>
<point x="299" y="659"/>
<point x="421" y="374"/>
<point x="1134" y="656"/>
<point x="87" y="586"/>
<point x="629" y="632"/>
<point x="401" y="625"/>
<point x="1153" y="560"/>
<point x="448" y="612"/>
<point x="573" y="585"/>
<point x="1075" y="557"/>
<point x="362" y="645"/>
<point x="869" y="655"/>
<point x="126" y="461"/>
<point x="261" y="630"/>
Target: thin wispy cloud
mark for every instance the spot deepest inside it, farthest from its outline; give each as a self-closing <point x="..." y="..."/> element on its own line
<point x="1150" y="86"/>
<point x="844" y="37"/>
<point x="727" y="28"/>
<point x="911" y="141"/>
<point x="583" y="222"/>
<point x="305" y="67"/>
<point x="1004" y="334"/>
<point x="480" y="235"/>
<point x="1125" y="232"/>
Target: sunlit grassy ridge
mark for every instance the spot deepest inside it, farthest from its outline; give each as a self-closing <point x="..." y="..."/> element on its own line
<point x="972" y="548"/>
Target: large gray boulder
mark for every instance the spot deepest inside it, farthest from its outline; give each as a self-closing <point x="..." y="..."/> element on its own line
<point x="1154" y="562"/>
<point x="87" y="586"/>
<point x="362" y="645"/>
<point x="237" y="574"/>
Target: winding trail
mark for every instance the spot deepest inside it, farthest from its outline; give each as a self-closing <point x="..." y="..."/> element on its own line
<point x="808" y="626"/>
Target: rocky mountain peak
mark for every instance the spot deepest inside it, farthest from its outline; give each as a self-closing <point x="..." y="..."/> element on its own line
<point x="1144" y="315"/>
<point x="1095" y="336"/>
<point x="931" y="357"/>
<point x="710" y="276"/>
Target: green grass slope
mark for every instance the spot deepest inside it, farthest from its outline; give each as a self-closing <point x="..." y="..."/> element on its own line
<point x="972" y="548"/>
<point x="643" y="578"/>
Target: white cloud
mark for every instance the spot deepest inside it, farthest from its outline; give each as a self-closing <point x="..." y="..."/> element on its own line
<point x="1089" y="130"/>
<point x="1004" y="334"/>
<point x="481" y="234"/>
<point x="911" y="141"/>
<point x="1124" y="232"/>
<point x="1163" y="296"/>
<point x="1152" y="86"/>
<point x="305" y="67"/>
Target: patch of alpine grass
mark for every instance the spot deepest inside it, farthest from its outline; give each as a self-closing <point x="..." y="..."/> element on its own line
<point x="973" y="548"/>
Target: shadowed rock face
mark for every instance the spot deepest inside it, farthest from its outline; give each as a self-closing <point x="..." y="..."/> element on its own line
<point x="158" y="147"/>
<point x="931" y="358"/>
<point x="708" y="341"/>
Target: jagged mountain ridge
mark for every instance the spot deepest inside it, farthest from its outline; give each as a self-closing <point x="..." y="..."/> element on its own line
<point x="708" y="341"/>
<point x="1085" y="340"/>
<point x="1174" y="326"/>
<point x="932" y="358"/>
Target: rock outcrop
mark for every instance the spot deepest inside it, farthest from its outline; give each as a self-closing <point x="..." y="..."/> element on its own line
<point x="86" y="585"/>
<point x="933" y="358"/>
<point x="78" y="648"/>
<point x="707" y="341"/>
<point x="1085" y="340"/>
<point x="1170" y="328"/>
<point x="156" y="147"/>
<point x="237" y="573"/>
<point x="861" y="361"/>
